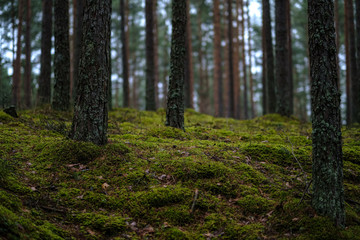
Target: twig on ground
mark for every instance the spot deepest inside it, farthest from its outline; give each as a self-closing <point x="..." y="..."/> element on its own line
<point x="195" y="199"/>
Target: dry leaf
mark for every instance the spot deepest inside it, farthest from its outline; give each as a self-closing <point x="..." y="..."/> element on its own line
<point x="105" y="186"/>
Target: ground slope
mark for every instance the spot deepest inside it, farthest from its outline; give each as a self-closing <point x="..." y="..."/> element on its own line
<point x="221" y="179"/>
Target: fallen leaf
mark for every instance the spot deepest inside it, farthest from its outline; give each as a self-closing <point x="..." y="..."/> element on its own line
<point x="105" y="186"/>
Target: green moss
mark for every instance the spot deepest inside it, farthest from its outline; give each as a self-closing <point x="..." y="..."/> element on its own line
<point x="178" y="215"/>
<point x="174" y="234"/>
<point x="253" y="204"/>
<point x="110" y="225"/>
<point x="69" y="151"/>
<point x="247" y="232"/>
<point x="10" y="201"/>
<point x="352" y="154"/>
<point x="4" y="118"/>
<point x="167" y="132"/>
<point x="159" y="197"/>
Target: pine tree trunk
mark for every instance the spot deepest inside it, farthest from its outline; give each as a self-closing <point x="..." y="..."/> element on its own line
<point x="125" y="51"/>
<point x="252" y="103"/>
<point x="264" y="91"/>
<point x="236" y="63"/>
<point x="356" y="84"/>
<point x="175" y="99"/>
<point x="150" y="60"/>
<point x="327" y="172"/>
<point x="156" y="55"/>
<point x="44" y="91"/>
<point x="348" y="68"/>
<point x="78" y="17"/>
<point x="282" y="60"/>
<point x="270" y="97"/>
<point x="16" y="100"/>
<point x="27" y="74"/>
<point x="218" y="96"/>
<point x="231" y="62"/>
<point x="61" y="99"/>
<point x="337" y="31"/>
<point x="243" y="51"/>
<point x="189" y="75"/>
<point x="290" y="72"/>
<point x="91" y="106"/>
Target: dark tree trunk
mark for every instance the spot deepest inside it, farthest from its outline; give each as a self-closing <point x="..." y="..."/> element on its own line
<point x="251" y="80"/>
<point x="150" y="59"/>
<point x="236" y="62"/>
<point x="175" y="98"/>
<point x="27" y="74"/>
<point x="91" y="106"/>
<point x="264" y="91"/>
<point x="61" y="99"/>
<point x="348" y="69"/>
<point x="282" y="60"/>
<point x="337" y="31"/>
<point x="246" y="102"/>
<point x="328" y="191"/>
<point x="218" y="96"/>
<point x="189" y="75"/>
<point x="17" y="62"/>
<point x="156" y="55"/>
<point x="44" y="92"/>
<point x="270" y="97"/>
<point x="356" y="84"/>
<point x="290" y="72"/>
<point x="231" y="60"/>
<point x="78" y="16"/>
<point x="125" y="53"/>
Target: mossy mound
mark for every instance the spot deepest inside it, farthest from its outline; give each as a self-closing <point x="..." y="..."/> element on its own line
<point x="220" y="179"/>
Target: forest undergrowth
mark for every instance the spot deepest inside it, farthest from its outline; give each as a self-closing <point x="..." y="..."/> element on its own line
<point x="220" y="179"/>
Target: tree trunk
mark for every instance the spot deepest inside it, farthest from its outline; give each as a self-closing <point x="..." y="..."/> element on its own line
<point x="327" y="173"/>
<point x="243" y="51"/>
<point x="78" y="17"/>
<point x="252" y="104"/>
<point x="16" y="100"/>
<point x="337" y="31"/>
<point x="282" y="60"/>
<point x="264" y="102"/>
<point x="231" y="60"/>
<point x="156" y="55"/>
<point x="348" y="68"/>
<point x="27" y="74"/>
<point x="356" y="84"/>
<point x="236" y="63"/>
<point x="175" y="99"/>
<point x="44" y="92"/>
<point x="270" y="97"/>
<point x="125" y="52"/>
<point x="189" y="75"/>
<point x="91" y="106"/>
<point x="61" y="99"/>
<point x="150" y="60"/>
<point x="218" y="96"/>
<point x="290" y="72"/>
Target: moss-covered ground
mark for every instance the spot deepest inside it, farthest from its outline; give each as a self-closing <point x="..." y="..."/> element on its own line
<point x="221" y="179"/>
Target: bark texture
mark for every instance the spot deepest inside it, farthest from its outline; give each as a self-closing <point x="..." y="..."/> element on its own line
<point x="44" y="91"/>
<point x="61" y="98"/>
<point x="270" y="86"/>
<point x="175" y="97"/>
<point x="245" y="82"/>
<point x="283" y="85"/>
<point x="150" y="57"/>
<point x="91" y="105"/>
<point x="356" y="84"/>
<point x="231" y="62"/>
<point x="328" y="191"/>
<point x="218" y="97"/>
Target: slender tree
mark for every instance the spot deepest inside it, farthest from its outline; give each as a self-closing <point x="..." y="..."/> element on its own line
<point x="282" y="60"/>
<point x="156" y="53"/>
<point x="17" y="61"/>
<point x="251" y="79"/>
<point x="218" y="96"/>
<point x="268" y="58"/>
<point x="61" y="98"/>
<point x="289" y="46"/>
<point x="328" y="190"/>
<point x="189" y="75"/>
<point x="243" y="55"/>
<point x="231" y="60"/>
<point x="27" y="75"/>
<point x="356" y="84"/>
<point x="44" y="91"/>
<point x="125" y="53"/>
<point x="150" y="60"/>
<point x="91" y="107"/>
<point x="175" y="98"/>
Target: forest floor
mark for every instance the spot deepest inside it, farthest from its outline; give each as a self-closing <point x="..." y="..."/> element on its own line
<point x="221" y="179"/>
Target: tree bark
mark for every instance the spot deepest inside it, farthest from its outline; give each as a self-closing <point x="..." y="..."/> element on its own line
<point x="356" y="84"/>
<point x="251" y="80"/>
<point x="243" y="51"/>
<point x="270" y="97"/>
<point x="348" y="68"/>
<point x="61" y="99"/>
<point x="282" y="60"/>
<point x="231" y="113"/>
<point x="189" y="75"/>
<point x="150" y="60"/>
<point x="327" y="173"/>
<point x="44" y="92"/>
<point x="125" y="53"/>
<point x="16" y="99"/>
<point x="91" y="106"/>
<point x="175" y="98"/>
<point x="218" y="96"/>
<point x="156" y="55"/>
<point x="78" y="17"/>
<point x="290" y="72"/>
<point x="27" y="75"/>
